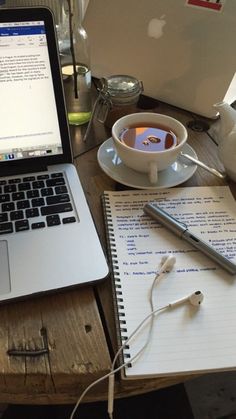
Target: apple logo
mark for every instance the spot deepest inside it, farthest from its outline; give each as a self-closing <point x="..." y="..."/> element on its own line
<point x="155" y="27"/>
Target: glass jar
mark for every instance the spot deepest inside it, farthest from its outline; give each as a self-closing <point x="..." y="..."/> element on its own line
<point x="119" y="96"/>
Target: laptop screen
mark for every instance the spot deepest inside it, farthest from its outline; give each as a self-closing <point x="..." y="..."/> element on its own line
<point x="34" y="126"/>
<point x="29" y="122"/>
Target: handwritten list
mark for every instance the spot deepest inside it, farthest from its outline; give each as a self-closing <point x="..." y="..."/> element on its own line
<point x="185" y="339"/>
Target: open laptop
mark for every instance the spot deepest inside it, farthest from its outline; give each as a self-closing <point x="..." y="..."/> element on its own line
<point x="48" y="239"/>
<point x="182" y="50"/>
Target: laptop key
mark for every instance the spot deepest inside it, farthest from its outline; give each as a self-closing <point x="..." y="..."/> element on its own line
<point x="15" y="180"/>
<point x="56" y="209"/>
<point x="46" y="191"/>
<point x="60" y="189"/>
<point x="10" y="188"/>
<point x="39" y="177"/>
<point x="5" y="197"/>
<point x="23" y="204"/>
<point x="68" y="220"/>
<point x="24" y="186"/>
<point x="54" y="175"/>
<point x="8" y="206"/>
<point x="3" y="217"/>
<point x="6" y="228"/>
<point x="37" y="202"/>
<point x="55" y="182"/>
<point x="16" y="215"/>
<point x="38" y="184"/>
<point x="41" y="224"/>
<point x="33" y="193"/>
<point x="53" y="220"/>
<point x="28" y="178"/>
<point x="18" y="196"/>
<point x="21" y="225"/>
<point x="32" y="212"/>
<point x="58" y="199"/>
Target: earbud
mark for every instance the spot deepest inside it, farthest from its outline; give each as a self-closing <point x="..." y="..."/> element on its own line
<point x="168" y="263"/>
<point x="195" y="299"/>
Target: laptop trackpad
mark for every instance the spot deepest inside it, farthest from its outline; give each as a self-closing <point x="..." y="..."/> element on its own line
<point x="5" y="284"/>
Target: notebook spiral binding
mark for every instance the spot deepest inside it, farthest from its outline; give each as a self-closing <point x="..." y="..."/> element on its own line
<point x="116" y="283"/>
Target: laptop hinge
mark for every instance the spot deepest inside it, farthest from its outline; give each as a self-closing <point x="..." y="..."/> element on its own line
<point x="17" y="170"/>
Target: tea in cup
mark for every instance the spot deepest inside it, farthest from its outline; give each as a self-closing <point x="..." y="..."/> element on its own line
<point x="148" y="142"/>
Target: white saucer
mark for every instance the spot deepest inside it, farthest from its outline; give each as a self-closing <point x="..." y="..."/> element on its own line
<point x="111" y="164"/>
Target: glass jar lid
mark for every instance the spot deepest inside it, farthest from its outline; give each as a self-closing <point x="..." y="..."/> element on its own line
<point x="123" y="86"/>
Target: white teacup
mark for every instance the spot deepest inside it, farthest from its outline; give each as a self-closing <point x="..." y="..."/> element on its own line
<point x="150" y="162"/>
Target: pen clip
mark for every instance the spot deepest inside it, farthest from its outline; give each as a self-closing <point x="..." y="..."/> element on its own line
<point x="178" y="227"/>
<point x="181" y="223"/>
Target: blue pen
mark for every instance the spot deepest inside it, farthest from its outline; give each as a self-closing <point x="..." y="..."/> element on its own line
<point x="181" y="230"/>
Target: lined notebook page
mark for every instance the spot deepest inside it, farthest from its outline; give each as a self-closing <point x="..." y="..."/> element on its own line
<point x="185" y="339"/>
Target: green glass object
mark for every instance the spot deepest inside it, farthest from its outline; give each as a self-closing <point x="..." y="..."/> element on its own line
<point x="76" y="66"/>
<point x="78" y="118"/>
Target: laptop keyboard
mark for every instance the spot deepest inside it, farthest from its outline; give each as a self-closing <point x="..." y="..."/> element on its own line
<point x="35" y="202"/>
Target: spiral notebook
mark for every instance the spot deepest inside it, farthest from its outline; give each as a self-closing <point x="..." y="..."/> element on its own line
<point x="186" y="339"/>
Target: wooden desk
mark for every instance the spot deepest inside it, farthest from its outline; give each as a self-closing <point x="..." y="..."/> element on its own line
<point x="79" y="323"/>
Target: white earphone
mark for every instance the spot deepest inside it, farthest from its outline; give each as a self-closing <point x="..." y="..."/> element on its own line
<point x="168" y="263"/>
<point x="195" y="299"/>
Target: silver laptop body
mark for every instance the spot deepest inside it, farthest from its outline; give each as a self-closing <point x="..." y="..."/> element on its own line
<point x="48" y="240"/>
<point x="184" y="54"/>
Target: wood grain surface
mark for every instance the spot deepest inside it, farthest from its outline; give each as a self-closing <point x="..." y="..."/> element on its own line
<point x="78" y="325"/>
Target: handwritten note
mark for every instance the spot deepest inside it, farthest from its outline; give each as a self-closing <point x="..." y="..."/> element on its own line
<point x="184" y="339"/>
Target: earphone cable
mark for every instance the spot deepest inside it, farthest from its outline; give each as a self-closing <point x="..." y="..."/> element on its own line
<point x="157" y="279"/>
<point x="121" y="366"/>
